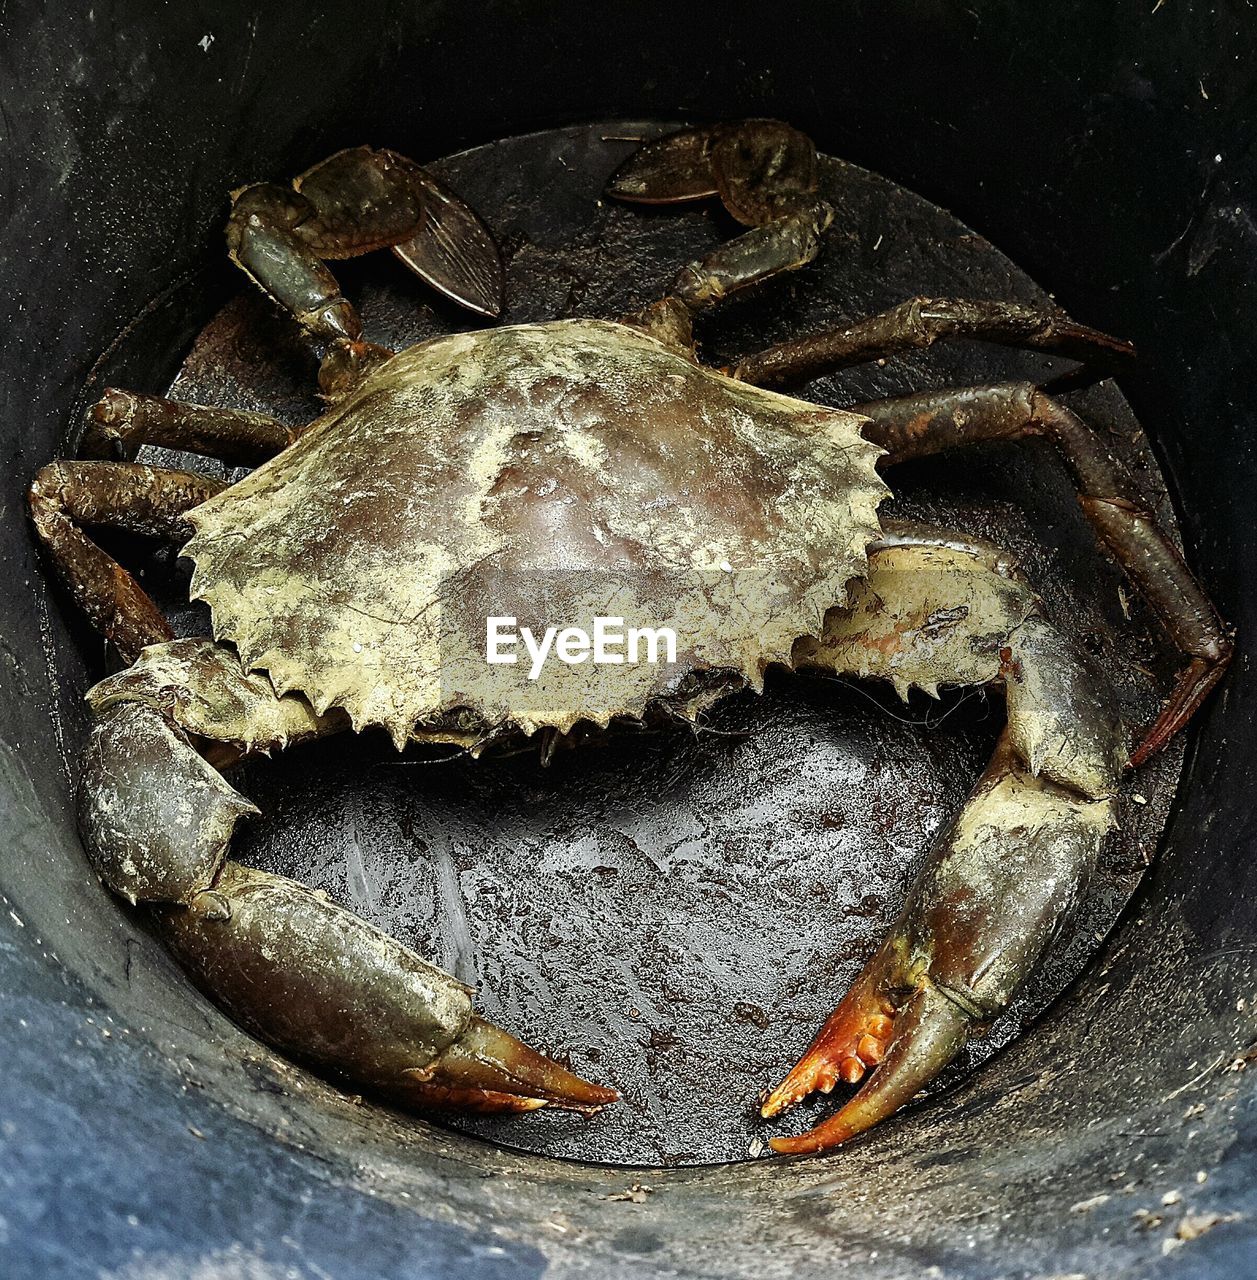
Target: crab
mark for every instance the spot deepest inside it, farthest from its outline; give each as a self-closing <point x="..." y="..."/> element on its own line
<point x="556" y="473"/>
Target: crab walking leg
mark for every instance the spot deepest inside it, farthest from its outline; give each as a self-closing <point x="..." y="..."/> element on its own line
<point x="998" y="884"/>
<point x="765" y="174"/>
<point x="760" y="169"/>
<point x="313" y="980"/>
<point x="352" y="203"/>
<point x="916" y="426"/>
<point x="921" y="322"/>
<point x="785" y="244"/>
<point x="116" y="495"/>
<point x="121" y="421"/>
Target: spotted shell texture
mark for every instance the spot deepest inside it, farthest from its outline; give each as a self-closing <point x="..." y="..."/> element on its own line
<point x="550" y="472"/>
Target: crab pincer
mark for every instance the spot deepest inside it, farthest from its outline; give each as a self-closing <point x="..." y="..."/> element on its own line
<point x="311" y="978"/>
<point x="989" y="900"/>
<point x="998" y="885"/>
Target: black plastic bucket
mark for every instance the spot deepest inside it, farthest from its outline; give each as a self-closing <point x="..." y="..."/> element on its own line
<point x="1110" y="154"/>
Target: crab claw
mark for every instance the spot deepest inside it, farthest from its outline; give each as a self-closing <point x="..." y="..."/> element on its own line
<point x="487" y="1069"/>
<point x="930" y="1029"/>
<point x="307" y="976"/>
<point x="324" y="986"/>
<point x="853" y="1039"/>
<point x="989" y="900"/>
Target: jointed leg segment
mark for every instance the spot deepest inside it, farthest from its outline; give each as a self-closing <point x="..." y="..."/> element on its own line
<point x="765" y="174"/>
<point x="352" y="203"/>
<point x="116" y="495"/>
<point x="916" y="426"/>
<point x="121" y="421"/>
<point x="921" y="322"/>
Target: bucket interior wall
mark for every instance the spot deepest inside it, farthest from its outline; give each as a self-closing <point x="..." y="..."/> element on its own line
<point x="1109" y="153"/>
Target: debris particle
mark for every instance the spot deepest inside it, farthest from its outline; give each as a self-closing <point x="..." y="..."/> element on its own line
<point x="744" y="1011"/>
<point x="636" y="1194"/>
<point x="1171" y="1197"/>
<point x="1196" y="1224"/>
<point x="1085" y="1206"/>
<point x="1243" y="1060"/>
<point x="195" y="1132"/>
<point x="756" y="1148"/>
<point x="205" y="41"/>
<point x="1138" y="798"/>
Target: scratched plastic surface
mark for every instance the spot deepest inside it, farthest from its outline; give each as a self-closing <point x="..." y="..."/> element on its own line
<point x="675" y="913"/>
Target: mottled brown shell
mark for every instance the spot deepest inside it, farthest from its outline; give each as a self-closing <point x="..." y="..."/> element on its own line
<point x="554" y="472"/>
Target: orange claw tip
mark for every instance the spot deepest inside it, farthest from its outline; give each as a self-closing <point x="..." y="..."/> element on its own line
<point x="828" y="1060"/>
<point x="487" y="1059"/>
<point x="810" y="1143"/>
<point x="931" y="1030"/>
<point x="817" y="1071"/>
<point x="852" y="1119"/>
<point x="440" y="1097"/>
<point x="861" y="1023"/>
<point x="782" y="1096"/>
<point x="827" y="1135"/>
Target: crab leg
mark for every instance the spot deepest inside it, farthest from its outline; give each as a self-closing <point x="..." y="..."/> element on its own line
<point x="919" y="425"/>
<point x="760" y="169"/>
<point x="352" y="203"/>
<point x="998" y="884"/>
<point x="116" y="495"/>
<point x="921" y="322"/>
<point x="121" y="421"/>
<point x="312" y="979"/>
<point x="765" y="174"/>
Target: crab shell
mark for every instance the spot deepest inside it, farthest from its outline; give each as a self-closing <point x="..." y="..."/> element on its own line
<point x="554" y="473"/>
